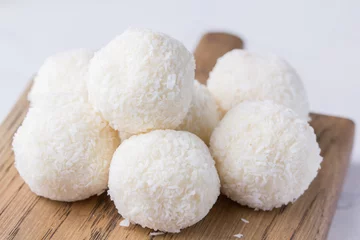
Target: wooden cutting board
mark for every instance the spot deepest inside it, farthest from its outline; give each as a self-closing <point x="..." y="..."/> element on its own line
<point x="23" y="215"/>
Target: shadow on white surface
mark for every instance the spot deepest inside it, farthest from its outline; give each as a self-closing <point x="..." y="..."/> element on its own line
<point x="346" y="221"/>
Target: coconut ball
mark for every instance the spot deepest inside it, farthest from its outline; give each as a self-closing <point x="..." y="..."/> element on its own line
<point x="165" y="180"/>
<point x="65" y="154"/>
<point x="265" y="154"/>
<point x="203" y="115"/>
<point x="142" y="80"/>
<point x="239" y="76"/>
<point x="62" y="79"/>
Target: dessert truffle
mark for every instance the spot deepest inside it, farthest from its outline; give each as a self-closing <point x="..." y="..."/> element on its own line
<point x="141" y="81"/>
<point x="240" y="75"/>
<point x="65" y="154"/>
<point x="203" y="115"/>
<point x="165" y="180"/>
<point x="61" y="79"/>
<point x="266" y="156"/>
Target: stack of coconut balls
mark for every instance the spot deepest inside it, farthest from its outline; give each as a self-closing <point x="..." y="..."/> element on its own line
<point x="140" y="87"/>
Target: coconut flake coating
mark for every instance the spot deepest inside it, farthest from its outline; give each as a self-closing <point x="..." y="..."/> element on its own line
<point x="62" y="79"/>
<point x="203" y="115"/>
<point x="165" y="180"/>
<point x="265" y="154"/>
<point x="65" y="154"/>
<point x="142" y="80"/>
<point x="239" y="76"/>
<point x="124" y="135"/>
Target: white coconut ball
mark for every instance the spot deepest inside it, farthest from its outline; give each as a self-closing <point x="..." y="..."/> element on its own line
<point x="203" y="115"/>
<point x="142" y="80"/>
<point x="165" y="180"/>
<point x="265" y="154"/>
<point x="65" y="154"/>
<point x="62" y="79"/>
<point x="240" y="75"/>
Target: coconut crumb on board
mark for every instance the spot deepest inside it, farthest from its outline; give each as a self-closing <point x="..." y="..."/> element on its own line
<point x="156" y="233"/>
<point x="99" y="193"/>
<point x="244" y="220"/>
<point x="125" y="223"/>
<point x="238" y="235"/>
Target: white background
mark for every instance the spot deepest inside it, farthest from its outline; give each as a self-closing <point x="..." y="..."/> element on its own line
<point x="321" y="39"/>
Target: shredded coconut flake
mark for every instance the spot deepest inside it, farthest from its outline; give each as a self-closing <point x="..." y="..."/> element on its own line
<point x="99" y="193"/>
<point x="238" y="235"/>
<point x="244" y="220"/>
<point x="125" y="223"/>
<point x="156" y="233"/>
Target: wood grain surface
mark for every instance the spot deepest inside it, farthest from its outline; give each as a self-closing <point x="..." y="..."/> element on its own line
<point x="23" y="215"/>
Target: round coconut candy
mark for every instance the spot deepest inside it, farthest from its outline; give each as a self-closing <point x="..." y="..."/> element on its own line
<point x="141" y="81"/>
<point x="165" y="180"/>
<point x="65" y="154"/>
<point x="62" y="79"/>
<point x="203" y="115"/>
<point x="266" y="156"/>
<point x="239" y="76"/>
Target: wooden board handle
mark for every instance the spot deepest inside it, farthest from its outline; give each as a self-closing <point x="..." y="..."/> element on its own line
<point x="212" y="46"/>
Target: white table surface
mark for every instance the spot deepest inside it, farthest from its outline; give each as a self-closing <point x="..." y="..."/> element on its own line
<point x="321" y="39"/>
